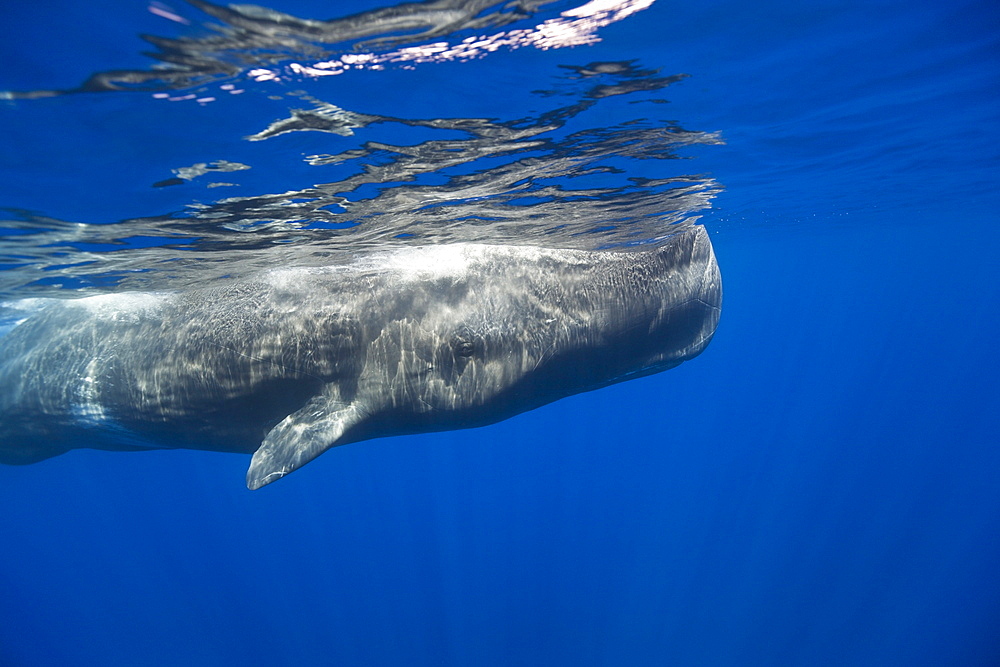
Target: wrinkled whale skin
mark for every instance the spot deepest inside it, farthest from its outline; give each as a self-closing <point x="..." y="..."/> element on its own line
<point x="295" y="361"/>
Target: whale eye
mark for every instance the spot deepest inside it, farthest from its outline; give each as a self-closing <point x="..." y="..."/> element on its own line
<point x="464" y="348"/>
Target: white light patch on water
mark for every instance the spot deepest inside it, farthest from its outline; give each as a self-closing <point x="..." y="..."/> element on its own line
<point x="121" y="306"/>
<point x="417" y="263"/>
<point x="574" y="27"/>
<point x="432" y="261"/>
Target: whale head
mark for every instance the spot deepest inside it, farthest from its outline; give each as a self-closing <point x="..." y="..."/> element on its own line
<point x="468" y="335"/>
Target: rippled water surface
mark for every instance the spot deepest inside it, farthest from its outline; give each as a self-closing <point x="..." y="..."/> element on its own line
<point x="817" y="488"/>
<point x="576" y="163"/>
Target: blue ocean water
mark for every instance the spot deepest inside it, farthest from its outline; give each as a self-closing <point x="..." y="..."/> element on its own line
<point x="818" y="488"/>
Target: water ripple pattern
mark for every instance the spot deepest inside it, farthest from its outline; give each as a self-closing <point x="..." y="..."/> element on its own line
<point x="561" y="178"/>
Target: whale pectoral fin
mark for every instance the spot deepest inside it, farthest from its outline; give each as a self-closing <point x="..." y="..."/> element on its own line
<point x="298" y="439"/>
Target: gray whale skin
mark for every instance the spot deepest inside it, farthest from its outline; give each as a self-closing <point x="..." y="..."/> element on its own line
<point x="295" y="361"/>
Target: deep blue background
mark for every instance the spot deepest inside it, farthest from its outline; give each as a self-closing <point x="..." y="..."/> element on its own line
<point x="818" y="488"/>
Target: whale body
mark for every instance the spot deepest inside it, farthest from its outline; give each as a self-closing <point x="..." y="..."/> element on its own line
<point x="294" y="361"/>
